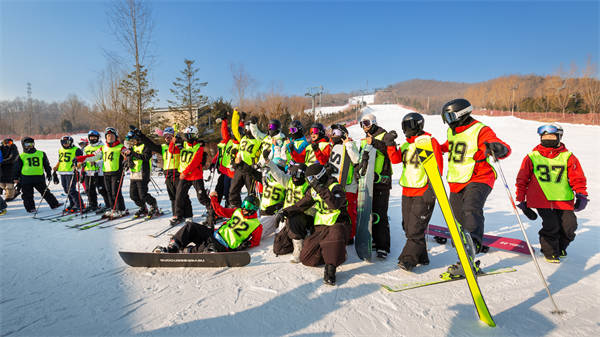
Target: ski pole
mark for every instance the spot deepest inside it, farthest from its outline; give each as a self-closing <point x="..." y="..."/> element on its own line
<point x="40" y="204"/>
<point x="156" y="187"/>
<point x="79" y="195"/>
<point x="118" y="192"/>
<point x="556" y="311"/>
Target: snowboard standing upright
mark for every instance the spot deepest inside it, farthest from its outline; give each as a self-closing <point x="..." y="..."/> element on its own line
<point x="364" y="220"/>
<point x="459" y="237"/>
<point x="340" y="161"/>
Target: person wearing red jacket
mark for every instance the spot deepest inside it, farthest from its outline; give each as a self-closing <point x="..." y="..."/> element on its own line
<point x="242" y="231"/>
<point x="470" y="175"/>
<point x="552" y="181"/>
<point x="418" y="198"/>
<point x="321" y="148"/>
<point x="191" y="153"/>
<point x="224" y="158"/>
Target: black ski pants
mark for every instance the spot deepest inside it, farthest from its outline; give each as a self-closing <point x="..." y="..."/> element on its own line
<point x="238" y="181"/>
<point x="199" y="234"/>
<point x="295" y="228"/>
<point x="381" y="224"/>
<point x="416" y="213"/>
<point x="223" y="186"/>
<point x="95" y="183"/>
<point x="3" y="204"/>
<point x="112" y="184"/>
<point x="467" y="206"/>
<point x="27" y="195"/>
<point x="558" y="230"/>
<point x="182" y="201"/>
<point x="69" y="183"/>
<point x="172" y="180"/>
<point x="138" y="192"/>
<point x="327" y="245"/>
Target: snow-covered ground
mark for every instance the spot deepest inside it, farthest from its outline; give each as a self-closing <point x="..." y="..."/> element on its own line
<point x="60" y="281"/>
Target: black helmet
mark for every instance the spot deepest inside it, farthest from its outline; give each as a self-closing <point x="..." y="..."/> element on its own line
<point x="319" y="127"/>
<point x="316" y="171"/>
<point x="251" y="204"/>
<point x="66" y="141"/>
<point x="275" y="122"/>
<point x="296" y="127"/>
<point x="340" y="127"/>
<point x="297" y="171"/>
<point x="413" y="124"/>
<point x="457" y="110"/>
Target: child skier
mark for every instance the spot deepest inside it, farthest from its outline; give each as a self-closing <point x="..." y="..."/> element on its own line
<point x="552" y="181"/>
<point x="68" y="172"/>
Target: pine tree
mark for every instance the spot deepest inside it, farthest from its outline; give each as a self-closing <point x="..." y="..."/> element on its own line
<point x="188" y="100"/>
<point x="131" y="91"/>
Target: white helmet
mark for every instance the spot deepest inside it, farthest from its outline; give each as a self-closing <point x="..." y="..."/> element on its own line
<point x="368" y="120"/>
<point x="190" y="133"/>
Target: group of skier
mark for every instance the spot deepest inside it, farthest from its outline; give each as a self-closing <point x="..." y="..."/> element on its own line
<point x="293" y="180"/>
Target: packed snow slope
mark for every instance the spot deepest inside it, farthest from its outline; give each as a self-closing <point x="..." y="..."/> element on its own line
<point x="57" y="281"/>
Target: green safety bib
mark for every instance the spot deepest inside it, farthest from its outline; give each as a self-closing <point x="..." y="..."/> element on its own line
<point x="311" y="158"/>
<point x="111" y="157"/>
<point x="250" y="150"/>
<point x="551" y="174"/>
<point x="89" y="149"/>
<point x="65" y="157"/>
<point x="237" y="229"/>
<point x="137" y="163"/>
<point x="273" y="193"/>
<point x="186" y="155"/>
<point x="294" y="193"/>
<point x="380" y="158"/>
<point x="170" y="161"/>
<point x="462" y="147"/>
<point x="413" y="174"/>
<point x="325" y="215"/>
<point x="32" y="163"/>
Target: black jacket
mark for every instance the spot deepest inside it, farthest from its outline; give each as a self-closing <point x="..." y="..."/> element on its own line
<point x="336" y="199"/>
<point x="32" y="179"/>
<point x="145" y="156"/>
<point x="10" y="154"/>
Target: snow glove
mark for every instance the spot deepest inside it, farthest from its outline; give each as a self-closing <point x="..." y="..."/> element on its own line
<point x="498" y="149"/>
<point x="281" y="215"/>
<point x="389" y="138"/>
<point x="274" y="208"/>
<point x="364" y="164"/>
<point x="529" y="213"/>
<point x="55" y="178"/>
<point x="581" y="202"/>
<point x="316" y="185"/>
<point x="254" y="120"/>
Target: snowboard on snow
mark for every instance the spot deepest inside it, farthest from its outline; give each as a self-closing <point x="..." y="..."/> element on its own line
<point x="339" y="162"/>
<point x="509" y="244"/>
<point x="461" y="239"/>
<point x="192" y="260"/>
<point x="364" y="220"/>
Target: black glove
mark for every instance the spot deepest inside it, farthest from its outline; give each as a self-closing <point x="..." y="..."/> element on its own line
<point x="314" y="146"/>
<point x="55" y="178"/>
<point x="274" y="208"/>
<point x="49" y="178"/>
<point x="243" y="116"/>
<point x="389" y="138"/>
<point x="316" y="185"/>
<point x="331" y="169"/>
<point x="179" y="142"/>
<point x="266" y="154"/>
<point x="281" y="215"/>
<point x="498" y="148"/>
<point x="244" y="245"/>
<point x="137" y="132"/>
<point x="75" y="162"/>
<point x="224" y="115"/>
<point x="364" y="164"/>
<point x="253" y="120"/>
<point x="202" y="143"/>
<point x="529" y="213"/>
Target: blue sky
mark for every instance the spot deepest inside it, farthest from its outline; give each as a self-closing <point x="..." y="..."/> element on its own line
<point x="340" y="45"/>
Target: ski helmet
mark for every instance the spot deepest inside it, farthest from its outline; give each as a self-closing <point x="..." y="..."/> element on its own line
<point x="297" y="171"/>
<point x="8" y="142"/>
<point x="111" y="131"/>
<point x="343" y="130"/>
<point x="66" y="141"/>
<point x="130" y="135"/>
<point x="318" y="128"/>
<point x="27" y="141"/>
<point x="367" y="121"/>
<point x="93" y="133"/>
<point x="412" y="124"/>
<point x="251" y="204"/>
<point x="169" y="130"/>
<point x="551" y="128"/>
<point x="83" y="142"/>
<point x="275" y="124"/>
<point x="190" y="133"/>
<point x="316" y="171"/>
<point x="457" y="110"/>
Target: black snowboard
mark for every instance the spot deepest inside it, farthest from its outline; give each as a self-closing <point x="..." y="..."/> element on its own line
<point x="174" y="260"/>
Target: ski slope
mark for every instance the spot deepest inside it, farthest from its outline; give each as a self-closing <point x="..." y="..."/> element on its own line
<point x="60" y="281"/>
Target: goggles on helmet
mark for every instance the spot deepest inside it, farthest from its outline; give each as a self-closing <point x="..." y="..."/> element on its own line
<point x="28" y="144"/>
<point x="7" y="142"/>
<point x="365" y="124"/>
<point x="82" y="144"/>
<point x="337" y="132"/>
<point x="411" y="124"/>
<point x="293" y="129"/>
<point x="317" y="176"/>
<point x="129" y="136"/>
<point x="272" y="127"/>
<point x="247" y="205"/>
<point x="547" y="129"/>
<point x="297" y="173"/>
<point x="315" y="131"/>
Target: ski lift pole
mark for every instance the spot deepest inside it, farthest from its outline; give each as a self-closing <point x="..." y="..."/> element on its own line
<point x="556" y="310"/>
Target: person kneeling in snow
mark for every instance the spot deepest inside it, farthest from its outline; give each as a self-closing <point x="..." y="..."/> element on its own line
<point x="242" y="231"/>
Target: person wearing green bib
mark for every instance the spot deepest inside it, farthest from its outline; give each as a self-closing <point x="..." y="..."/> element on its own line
<point x="297" y="148"/>
<point x="418" y="198"/>
<point x="94" y="175"/>
<point x="321" y="149"/>
<point x="170" y="169"/>
<point x="327" y="245"/>
<point x="242" y="231"/>
<point x="382" y="183"/>
<point x="272" y="141"/>
<point x="552" y="181"/>
<point x="68" y="172"/>
<point x="138" y="155"/>
<point x="470" y="175"/>
<point x="29" y="172"/>
<point x="249" y="151"/>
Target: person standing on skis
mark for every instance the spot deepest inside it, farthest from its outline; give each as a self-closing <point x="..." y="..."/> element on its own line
<point x="470" y="175"/>
<point x="552" y="181"/>
<point x="94" y="175"/>
<point x="418" y="198"/>
<point x="68" y="172"/>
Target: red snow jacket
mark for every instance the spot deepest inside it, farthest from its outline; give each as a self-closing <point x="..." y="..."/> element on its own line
<point x="529" y="190"/>
<point x="228" y="213"/>
<point x="483" y="172"/>
<point x="396" y="158"/>
<point x="323" y="156"/>
<point x="226" y="137"/>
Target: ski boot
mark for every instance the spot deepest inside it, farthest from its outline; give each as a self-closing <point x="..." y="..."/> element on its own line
<point x="563" y="253"/>
<point x="118" y="214"/>
<point x="153" y="211"/>
<point x="189" y="220"/>
<point x="382" y="254"/>
<point x="329" y="276"/>
<point x="58" y="205"/>
<point x="174" y="221"/>
<point x="2" y="211"/>
<point x="141" y="212"/>
<point x="173" y="247"/>
<point x="405" y="265"/>
<point x="297" y="249"/>
<point x="552" y="258"/>
<point x="457" y="271"/>
<point x="90" y="208"/>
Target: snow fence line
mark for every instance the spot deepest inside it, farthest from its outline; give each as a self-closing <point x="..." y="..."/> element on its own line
<point x="559" y="117"/>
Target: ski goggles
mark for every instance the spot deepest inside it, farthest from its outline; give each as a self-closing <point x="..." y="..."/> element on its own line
<point x="296" y="173"/>
<point x="272" y="127"/>
<point x="449" y="117"/>
<point x="365" y="124"/>
<point x="411" y="124"/>
<point x="129" y="136"/>
<point x="315" y="131"/>
<point x="293" y="129"/>
<point x="28" y="144"/>
<point x="82" y="144"/>
<point x="317" y="176"/>
<point x="337" y="132"/>
<point x="65" y="142"/>
<point x="547" y="129"/>
<point x="247" y="205"/>
<point x="7" y="142"/>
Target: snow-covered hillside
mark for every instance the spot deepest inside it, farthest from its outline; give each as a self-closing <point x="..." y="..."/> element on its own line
<point x="60" y="281"/>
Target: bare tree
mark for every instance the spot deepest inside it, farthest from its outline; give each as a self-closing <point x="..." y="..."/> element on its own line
<point x="244" y="86"/>
<point x="561" y="82"/>
<point x="590" y="86"/>
<point x="132" y="25"/>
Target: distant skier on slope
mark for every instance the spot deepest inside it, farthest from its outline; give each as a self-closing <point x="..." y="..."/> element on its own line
<point x="552" y="181"/>
<point x="470" y="175"/>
